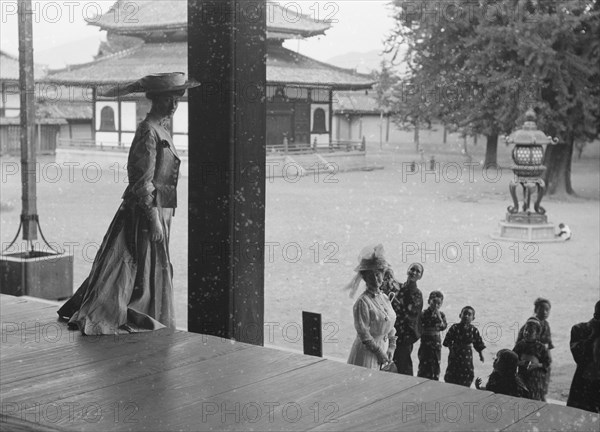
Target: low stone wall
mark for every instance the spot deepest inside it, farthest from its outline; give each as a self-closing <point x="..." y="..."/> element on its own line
<point x="276" y="165"/>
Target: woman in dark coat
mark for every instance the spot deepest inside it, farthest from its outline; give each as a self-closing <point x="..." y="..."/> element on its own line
<point x="585" y="347"/>
<point x="130" y="285"/>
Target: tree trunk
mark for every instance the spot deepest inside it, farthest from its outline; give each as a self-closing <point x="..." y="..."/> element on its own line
<point x="558" y="168"/>
<point x="416" y="137"/>
<point x="491" y="151"/>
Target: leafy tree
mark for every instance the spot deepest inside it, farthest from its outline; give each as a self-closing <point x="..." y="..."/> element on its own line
<point x="502" y="56"/>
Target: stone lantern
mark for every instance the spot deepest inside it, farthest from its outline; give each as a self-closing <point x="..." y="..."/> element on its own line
<point x="521" y="223"/>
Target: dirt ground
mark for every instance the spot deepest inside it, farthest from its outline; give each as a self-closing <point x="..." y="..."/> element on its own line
<point x="316" y="226"/>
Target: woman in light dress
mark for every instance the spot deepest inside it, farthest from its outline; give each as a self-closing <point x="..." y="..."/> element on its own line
<point x="374" y="316"/>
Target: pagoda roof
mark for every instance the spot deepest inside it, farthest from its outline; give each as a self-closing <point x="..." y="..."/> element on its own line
<point x="9" y="68"/>
<point x="145" y="17"/>
<point x="283" y="67"/>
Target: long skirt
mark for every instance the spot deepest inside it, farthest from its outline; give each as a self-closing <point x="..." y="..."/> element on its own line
<point x="130" y="286"/>
<point x="361" y="356"/>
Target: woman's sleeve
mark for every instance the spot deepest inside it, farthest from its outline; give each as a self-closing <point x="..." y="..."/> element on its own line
<point x="142" y="163"/>
<point x="392" y="338"/>
<point x="362" y="320"/>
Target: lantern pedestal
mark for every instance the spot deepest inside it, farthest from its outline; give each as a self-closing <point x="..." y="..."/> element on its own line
<point x="525" y="232"/>
<point x="520" y="223"/>
<point x="37" y="274"/>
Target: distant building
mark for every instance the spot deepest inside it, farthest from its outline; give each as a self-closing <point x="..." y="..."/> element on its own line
<point x="47" y="124"/>
<point x="357" y="115"/>
<point x="299" y="89"/>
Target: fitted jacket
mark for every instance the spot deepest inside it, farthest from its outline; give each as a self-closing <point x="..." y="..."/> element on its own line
<point x="152" y="167"/>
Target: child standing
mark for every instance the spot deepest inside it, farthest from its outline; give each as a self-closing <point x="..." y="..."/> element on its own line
<point x="534" y="360"/>
<point x="461" y="339"/>
<point x="504" y="378"/>
<point x="541" y="308"/>
<point x="430" y="350"/>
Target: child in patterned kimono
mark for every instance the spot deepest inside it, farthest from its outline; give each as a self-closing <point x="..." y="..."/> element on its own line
<point x="504" y="378"/>
<point x="541" y="307"/>
<point x="534" y="360"/>
<point x="430" y="350"/>
<point x="461" y="339"/>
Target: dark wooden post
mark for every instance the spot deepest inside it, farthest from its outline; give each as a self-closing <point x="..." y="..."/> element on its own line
<point x="227" y="119"/>
<point x="28" y="156"/>
<point x="312" y="335"/>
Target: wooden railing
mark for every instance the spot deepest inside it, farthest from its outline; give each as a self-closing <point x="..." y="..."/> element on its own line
<point x="88" y="144"/>
<point x="306" y="148"/>
<point x="284" y="149"/>
<point x="345" y="145"/>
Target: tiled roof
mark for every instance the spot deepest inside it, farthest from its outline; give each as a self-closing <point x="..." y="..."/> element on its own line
<point x="283" y="66"/>
<point x="356" y="102"/>
<point x="9" y="68"/>
<point x="65" y="110"/>
<point x="128" y="17"/>
<point x="287" y="67"/>
<point x="15" y="121"/>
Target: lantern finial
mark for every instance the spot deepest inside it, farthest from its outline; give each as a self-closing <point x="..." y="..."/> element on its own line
<point x="530" y="114"/>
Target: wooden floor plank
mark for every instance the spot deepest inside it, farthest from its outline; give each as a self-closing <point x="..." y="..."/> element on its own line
<point x="153" y="350"/>
<point x="418" y="408"/>
<point x="557" y="418"/>
<point x="161" y="398"/>
<point x="6" y="299"/>
<point x="296" y="402"/>
<point x="182" y="381"/>
<point x="18" y="312"/>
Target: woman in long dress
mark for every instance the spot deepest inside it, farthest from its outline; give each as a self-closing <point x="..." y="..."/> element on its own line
<point x="130" y="285"/>
<point x="374" y="316"/>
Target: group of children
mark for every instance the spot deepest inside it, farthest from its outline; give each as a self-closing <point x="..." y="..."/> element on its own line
<point x="523" y="371"/>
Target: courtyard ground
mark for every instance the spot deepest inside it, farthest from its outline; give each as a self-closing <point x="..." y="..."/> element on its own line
<point x="316" y="225"/>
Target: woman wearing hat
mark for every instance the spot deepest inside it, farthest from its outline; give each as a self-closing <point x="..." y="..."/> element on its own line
<point x="130" y="285"/>
<point x="374" y="316"/>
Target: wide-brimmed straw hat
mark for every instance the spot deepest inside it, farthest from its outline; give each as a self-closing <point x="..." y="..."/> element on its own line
<point x="154" y="84"/>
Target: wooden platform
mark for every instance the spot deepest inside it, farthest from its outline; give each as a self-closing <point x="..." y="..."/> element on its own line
<point x="55" y="379"/>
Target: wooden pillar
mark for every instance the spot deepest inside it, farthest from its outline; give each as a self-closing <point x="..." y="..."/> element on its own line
<point x="227" y="122"/>
<point x="27" y="112"/>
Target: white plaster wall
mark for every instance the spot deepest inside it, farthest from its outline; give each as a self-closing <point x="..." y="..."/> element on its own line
<point x="128" y="117"/>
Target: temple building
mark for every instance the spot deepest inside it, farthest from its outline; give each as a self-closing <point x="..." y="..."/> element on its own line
<point x="152" y="38"/>
<point x="54" y="115"/>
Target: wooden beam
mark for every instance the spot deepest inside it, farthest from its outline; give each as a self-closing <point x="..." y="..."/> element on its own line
<point x="227" y="121"/>
<point x="27" y="112"/>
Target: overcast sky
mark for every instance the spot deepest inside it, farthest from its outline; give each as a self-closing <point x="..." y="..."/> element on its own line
<point x="61" y="35"/>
